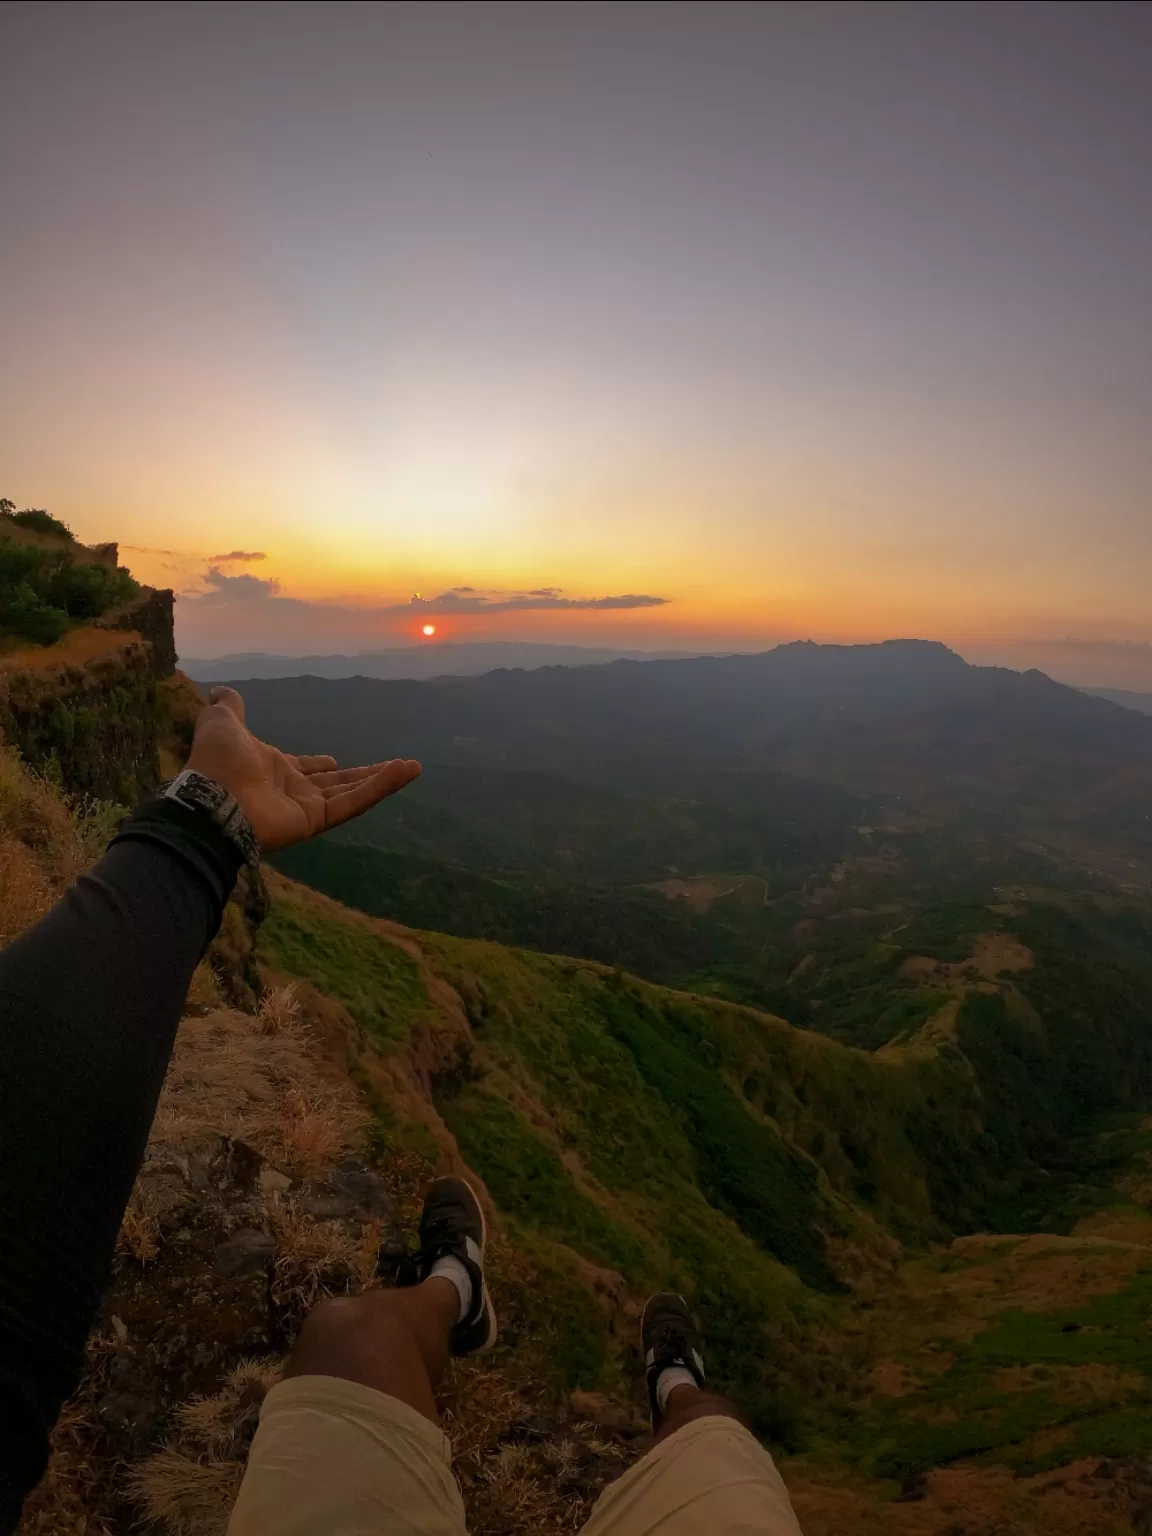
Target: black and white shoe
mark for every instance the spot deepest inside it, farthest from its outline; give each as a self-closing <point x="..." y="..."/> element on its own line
<point x="670" y="1338"/>
<point x="452" y="1226"/>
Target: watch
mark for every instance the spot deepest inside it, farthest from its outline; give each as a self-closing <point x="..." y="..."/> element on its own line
<point x="202" y="794"/>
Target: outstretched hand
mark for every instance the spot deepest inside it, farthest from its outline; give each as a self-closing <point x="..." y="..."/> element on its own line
<point x="286" y="799"/>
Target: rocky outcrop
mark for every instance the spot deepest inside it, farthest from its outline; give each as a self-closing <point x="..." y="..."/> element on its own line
<point x="149" y="616"/>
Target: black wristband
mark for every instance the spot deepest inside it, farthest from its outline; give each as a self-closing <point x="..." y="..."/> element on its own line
<point x="190" y="836"/>
<point x="200" y="793"/>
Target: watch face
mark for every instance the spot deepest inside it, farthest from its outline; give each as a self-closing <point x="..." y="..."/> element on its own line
<point x="204" y="795"/>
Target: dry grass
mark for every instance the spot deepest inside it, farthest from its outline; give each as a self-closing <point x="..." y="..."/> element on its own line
<point x="516" y="1487"/>
<point x="279" y="1011"/>
<point x="314" y="1258"/>
<point x="189" y="1487"/>
<point x="68" y="1501"/>
<point x="26" y="892"/>
<point x="185" y="1496"/>
<point x="75" y="648"/>
<point x="539" y="1489"/>
<point x="62" y="1504"/>
<point x="253" y="1077"/>
<point x="139" y="1235"/>
<point x="43" y="846"/>
<point x="313" y="1131"/>
<point x="46" y="841"/>
<point x="32" y="810"/>
<point x="210" y="1423"/>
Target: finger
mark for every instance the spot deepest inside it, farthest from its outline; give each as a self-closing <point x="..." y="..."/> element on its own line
<point x="344" y="776"/>
<point x="343" y="804"/>
<point x="311" y="765"/>
<point x="231" y="701"/>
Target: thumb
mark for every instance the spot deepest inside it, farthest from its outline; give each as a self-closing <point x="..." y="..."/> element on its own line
<point x="231" y="701"/>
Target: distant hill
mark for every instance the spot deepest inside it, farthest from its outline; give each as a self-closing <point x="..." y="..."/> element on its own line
<point x="1126" y="697"/>
<point x="441" y="659"/>
<point x="812" y="789"/>
<point x="906" y="720"/>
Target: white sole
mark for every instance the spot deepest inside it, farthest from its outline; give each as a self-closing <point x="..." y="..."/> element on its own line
<point x="494" y="1327"/>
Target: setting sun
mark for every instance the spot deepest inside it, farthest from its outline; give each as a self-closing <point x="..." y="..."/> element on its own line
<point x="429" y="629"/>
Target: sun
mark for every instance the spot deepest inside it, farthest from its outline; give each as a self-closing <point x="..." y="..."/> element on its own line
<point x="429" y="629"/>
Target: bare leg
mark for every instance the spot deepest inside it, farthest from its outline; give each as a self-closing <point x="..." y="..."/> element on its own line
<point x="686" y="1403"/>
<point x="395" y="1341"/>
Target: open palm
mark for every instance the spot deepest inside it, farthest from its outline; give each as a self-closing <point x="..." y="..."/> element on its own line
<point x="286" y="799"/>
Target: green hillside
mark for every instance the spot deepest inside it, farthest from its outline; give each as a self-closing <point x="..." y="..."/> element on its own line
<point x="636" y="928"/>
<point x="634" y="1136"/>
<point x="667" y="1138"/>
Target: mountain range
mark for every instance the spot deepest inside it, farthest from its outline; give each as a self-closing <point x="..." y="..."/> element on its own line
<point x="445" y="658"/>
<point x="1127" y="697"/>
<point x="750" y="738"/>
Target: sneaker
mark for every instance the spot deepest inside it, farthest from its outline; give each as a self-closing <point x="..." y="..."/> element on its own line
<point x="452" y="1223"/>
<point x="670" y="1337"/>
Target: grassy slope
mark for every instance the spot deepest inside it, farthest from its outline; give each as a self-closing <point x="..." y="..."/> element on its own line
<point x="638" y="929"/>
<point x="633" y="1136"/>
<point x="668" y="1138"/>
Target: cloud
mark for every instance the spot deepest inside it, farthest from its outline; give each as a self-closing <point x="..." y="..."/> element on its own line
<point x="236" y="589"/>
<point x="245" y="612"/>
<point x="238" y="554"/>
<point x="458" y="600"/>
<point x="467" y="600"/>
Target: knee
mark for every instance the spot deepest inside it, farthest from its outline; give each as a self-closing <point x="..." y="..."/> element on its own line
<point x="337" y="1330"/>
<point x="335" y="1318"/>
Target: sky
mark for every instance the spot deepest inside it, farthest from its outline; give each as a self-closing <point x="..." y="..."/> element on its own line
<point x="665" y="326"/>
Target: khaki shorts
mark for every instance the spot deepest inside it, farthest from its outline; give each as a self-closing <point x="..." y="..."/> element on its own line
<point x="334" y="1458"/>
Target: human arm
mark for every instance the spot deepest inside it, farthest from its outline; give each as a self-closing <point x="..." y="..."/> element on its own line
<point x="89" y="1003"/>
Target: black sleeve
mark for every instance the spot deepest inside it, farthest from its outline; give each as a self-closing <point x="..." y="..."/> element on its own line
<point x="89" y="1003"/>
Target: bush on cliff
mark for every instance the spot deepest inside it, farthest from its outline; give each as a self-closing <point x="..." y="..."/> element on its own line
<point x="35" y="518"/>
<point x="44" y="589"/>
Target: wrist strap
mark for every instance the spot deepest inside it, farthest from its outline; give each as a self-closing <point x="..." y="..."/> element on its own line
<point x="202" y="794"/>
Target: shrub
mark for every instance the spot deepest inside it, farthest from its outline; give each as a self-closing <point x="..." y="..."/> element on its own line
<point x="25" y="614"/>
<point x="41" y="521"/>
<point x="87" y="591"/>
<point x="527" y="1179"/>
<point x="41" y="590"/>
